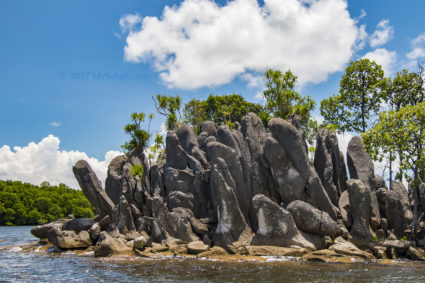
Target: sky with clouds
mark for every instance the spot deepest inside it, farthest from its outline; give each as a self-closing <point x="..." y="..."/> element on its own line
<point x="71" y="72"/>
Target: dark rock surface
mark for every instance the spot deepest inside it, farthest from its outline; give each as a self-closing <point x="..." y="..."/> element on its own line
<point x="92" y="188"/>
<point x="276" y="226"/>
<point x="329" y="164"/>
<point x="108" y="245"/>
<point x="297" y="162"/>
<point x="379" y="182"/>
<point x="78" y="224"/>
<point x="42" y="231"/>
<point x="317" y="196"/>
<point x="359" y="197"/>
<point x="235" y="189"/>
<point x="231" y="224"/>
<point x="69" y="239"/>
<point x="113" y="179"/>
<point x="361" y="167"/>
<point x="397" y="208"/>
<point x="359" y="163"/>
<point x="344" y="207"/>
<point x="312" y="220"/>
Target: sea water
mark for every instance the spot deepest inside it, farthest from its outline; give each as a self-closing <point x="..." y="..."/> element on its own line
<point x="19" y="266"/>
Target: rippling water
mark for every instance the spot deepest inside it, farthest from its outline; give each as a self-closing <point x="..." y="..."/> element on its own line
<point x="16" y="266"/>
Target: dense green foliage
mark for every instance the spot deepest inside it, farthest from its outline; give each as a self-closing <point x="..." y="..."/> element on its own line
<point x="406" y="88"/>
<point x="221" y="109"/>
<point x="400" y="131"/>
<point x="282" y="100"/>
<point x="362" y="89"/>
<point x="139" y="137"/>
<point x="26" y="204"/>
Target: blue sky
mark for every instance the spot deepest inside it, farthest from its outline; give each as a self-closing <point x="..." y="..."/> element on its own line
<point x="53" y="54"/>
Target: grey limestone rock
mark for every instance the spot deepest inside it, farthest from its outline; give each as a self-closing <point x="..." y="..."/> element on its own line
<point x="359" y="163"/>
<point x="107" y="246"/>
<point x="329" y="164"/>
<point x="312" y="220"/>
<point x="113" y="185"/>
<point x="68" y="239"/>
<point x="232" y="226"/>
<point x="92" y="188"/>
<point x="276" y="226"/>
<point x="397" y="208"/>
<point x="359" y="197"/>
<point x="78" y="224"/>
<point x="42" y="231"/>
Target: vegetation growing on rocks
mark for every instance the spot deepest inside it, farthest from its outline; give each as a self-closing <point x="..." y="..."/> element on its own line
<point x="139" y="137"/>
<point x="137" y="170"/>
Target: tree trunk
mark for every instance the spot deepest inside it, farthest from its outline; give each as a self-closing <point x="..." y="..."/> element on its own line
<point x="391" y="170"/>
<point x="415" y="205"/>
<point x="415" y="212"/>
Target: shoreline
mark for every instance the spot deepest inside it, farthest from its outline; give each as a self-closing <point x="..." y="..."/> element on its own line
<point x="325" y="256"/>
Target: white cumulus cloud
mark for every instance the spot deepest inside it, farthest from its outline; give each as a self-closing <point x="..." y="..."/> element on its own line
<point x="253" y="80"/>
<point x="362" y="38"/>
<point x="418" y="50"/>
<point x="44" y="161"/>
<point x="200" y="43"/>
<point x="129" y="21"/>
<point x="387" y="59"/>
<point x="383" y="33"/>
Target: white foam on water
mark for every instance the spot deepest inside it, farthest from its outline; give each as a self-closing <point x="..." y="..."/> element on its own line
<point x="280" y="258"/>
<point x="15" y="249"/>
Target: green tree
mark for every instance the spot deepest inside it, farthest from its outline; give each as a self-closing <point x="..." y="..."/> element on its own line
<point x="44" y="184"/>
<point x="402" y="131"/>
<point x="170" y="107"/>
<point x="221" y="109"/>
<point x="359" y="99"/>
<point x="139" y="137"/>
<point x="25" y="204"/>
<point x="9" y="216"/>
<point x="282" y="100"/>
<point x="406" y="88"/>
<point x="34" y="217"/>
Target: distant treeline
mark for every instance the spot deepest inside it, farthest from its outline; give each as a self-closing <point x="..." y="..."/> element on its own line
<point x="26" y="204"/>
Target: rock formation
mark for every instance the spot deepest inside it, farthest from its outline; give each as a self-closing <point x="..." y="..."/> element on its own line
<point x="329" y="164"/>
<point x="237" y="189"/>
